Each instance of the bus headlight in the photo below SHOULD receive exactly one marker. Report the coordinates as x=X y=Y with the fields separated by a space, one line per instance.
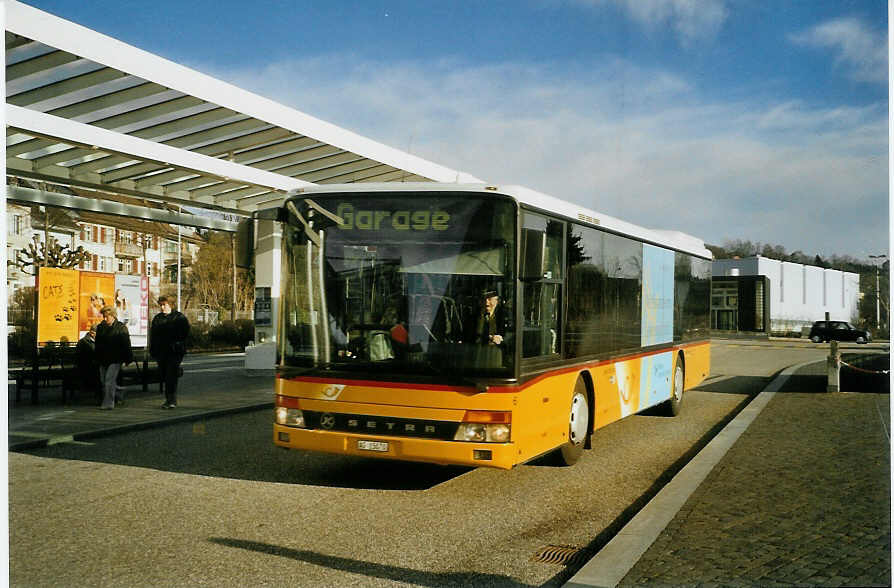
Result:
x=485 y=426
x=498 y=433
x=471 y=432
x=482 y=433
x=291 y=417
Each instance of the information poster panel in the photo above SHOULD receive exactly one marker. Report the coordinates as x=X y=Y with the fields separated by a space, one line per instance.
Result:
x=57 y=305
x=128 y=302
x=144 y=305
x=263 y=307
x=97 y=290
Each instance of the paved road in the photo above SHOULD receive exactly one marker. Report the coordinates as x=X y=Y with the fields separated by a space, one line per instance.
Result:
x=213 y=502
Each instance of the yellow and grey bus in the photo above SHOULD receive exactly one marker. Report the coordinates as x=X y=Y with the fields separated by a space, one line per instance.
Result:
x=477 y=325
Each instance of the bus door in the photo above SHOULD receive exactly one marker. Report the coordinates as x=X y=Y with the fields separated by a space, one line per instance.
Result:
x=542 y=275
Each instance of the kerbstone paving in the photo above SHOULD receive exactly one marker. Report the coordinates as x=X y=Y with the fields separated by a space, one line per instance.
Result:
x=803 y=498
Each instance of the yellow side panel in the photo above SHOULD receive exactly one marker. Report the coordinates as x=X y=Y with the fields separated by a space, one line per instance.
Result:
x=540 y=421
x=608 y=400
x=698 y=363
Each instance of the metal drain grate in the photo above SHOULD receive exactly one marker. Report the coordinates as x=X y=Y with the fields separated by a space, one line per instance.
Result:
x=558 y=554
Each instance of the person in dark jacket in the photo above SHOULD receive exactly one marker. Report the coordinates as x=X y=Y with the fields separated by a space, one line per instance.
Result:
x=112 y=351
x=88 y=368
x=167 y=344
x=490 y=325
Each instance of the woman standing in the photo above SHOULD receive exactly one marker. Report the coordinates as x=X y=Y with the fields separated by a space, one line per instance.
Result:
x=112 y=350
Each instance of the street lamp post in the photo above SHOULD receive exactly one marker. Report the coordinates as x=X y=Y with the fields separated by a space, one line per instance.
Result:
x=179 y=260
x=878 y=315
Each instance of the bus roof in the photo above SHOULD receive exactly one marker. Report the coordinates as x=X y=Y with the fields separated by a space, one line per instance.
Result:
x=532 y=199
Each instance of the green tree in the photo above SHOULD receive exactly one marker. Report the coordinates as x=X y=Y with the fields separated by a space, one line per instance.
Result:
x=873 y=299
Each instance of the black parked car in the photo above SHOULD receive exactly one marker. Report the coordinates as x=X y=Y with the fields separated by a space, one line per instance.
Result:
x=839 y=331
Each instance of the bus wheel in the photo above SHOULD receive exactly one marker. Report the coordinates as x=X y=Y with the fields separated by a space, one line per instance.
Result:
x=672 y=406
x=578 y=427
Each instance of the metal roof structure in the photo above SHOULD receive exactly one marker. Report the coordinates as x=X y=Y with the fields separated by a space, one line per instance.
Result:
x=88 y=111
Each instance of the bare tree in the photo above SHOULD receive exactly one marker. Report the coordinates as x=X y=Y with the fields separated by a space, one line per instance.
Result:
x=211 y=278
x=39 y=255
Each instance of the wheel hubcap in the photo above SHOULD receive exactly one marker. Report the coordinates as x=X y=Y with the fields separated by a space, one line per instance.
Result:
x=678 y=384
x=577 y=429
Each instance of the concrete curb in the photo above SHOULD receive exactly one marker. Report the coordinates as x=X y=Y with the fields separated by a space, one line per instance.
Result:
x=114 y=430
x=614 y=561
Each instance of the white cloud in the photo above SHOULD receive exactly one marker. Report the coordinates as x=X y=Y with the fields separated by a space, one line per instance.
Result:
x=632 y=143
x=691 y=20
x=857 y=47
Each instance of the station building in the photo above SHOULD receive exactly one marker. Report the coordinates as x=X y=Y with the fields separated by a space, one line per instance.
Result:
x=763 y=295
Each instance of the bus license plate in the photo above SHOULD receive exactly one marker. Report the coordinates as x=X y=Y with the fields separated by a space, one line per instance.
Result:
x=372 y=445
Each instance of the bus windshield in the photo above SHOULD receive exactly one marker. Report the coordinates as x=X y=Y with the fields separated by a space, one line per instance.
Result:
x=404 y=284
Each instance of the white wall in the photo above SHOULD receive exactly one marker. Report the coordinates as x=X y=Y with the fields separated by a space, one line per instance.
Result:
x=799 y=294
x=268 y=253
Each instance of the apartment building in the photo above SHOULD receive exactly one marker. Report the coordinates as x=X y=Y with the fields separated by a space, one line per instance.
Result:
x=116 y=245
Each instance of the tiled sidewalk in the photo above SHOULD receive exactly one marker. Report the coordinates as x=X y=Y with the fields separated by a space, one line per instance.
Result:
x=803 y=498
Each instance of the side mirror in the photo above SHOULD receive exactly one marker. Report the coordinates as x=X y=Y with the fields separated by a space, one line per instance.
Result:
x=245 y=234
x=532 y=254
x=245 y=241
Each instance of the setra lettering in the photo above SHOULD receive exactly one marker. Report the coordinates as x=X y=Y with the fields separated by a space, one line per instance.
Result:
x=407 y=428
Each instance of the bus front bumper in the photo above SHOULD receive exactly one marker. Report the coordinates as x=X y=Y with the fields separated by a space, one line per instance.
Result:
x=495 y=455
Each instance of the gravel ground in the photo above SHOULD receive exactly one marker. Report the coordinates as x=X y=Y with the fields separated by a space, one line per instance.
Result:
x=214 y=503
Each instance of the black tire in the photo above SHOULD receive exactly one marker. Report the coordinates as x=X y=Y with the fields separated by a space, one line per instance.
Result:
x=815 y=339
x=578 y=427
x=672 y=407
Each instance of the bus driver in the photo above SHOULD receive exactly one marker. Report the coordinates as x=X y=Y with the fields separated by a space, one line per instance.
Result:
x=490 y=327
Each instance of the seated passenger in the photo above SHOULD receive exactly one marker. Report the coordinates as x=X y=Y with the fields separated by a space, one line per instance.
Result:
x=397 y=329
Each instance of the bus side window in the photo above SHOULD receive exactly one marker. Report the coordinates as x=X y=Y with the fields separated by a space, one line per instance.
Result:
x=542 y=299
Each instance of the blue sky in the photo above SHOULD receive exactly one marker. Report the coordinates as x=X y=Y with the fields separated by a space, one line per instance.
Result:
x=726 y=119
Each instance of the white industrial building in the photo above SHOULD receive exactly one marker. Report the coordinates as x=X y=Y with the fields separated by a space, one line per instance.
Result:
x=790 y=296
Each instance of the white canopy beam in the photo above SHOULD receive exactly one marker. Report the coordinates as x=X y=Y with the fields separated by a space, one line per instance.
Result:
x=80 y=134
x=73 y=39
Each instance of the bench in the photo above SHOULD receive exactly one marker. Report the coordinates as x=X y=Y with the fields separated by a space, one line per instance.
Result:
x=58 y=364
x=141 y=372
x=45 y=365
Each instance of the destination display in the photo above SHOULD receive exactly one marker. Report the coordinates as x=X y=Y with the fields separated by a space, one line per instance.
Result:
x=399 y=220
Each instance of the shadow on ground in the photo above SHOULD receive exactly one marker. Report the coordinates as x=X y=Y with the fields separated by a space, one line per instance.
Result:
x=860 y=373
x=370 y=569
x=240 y=446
